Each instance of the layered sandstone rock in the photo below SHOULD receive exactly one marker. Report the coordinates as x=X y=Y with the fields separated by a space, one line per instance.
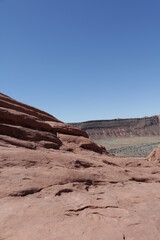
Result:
x=56 y=184
x=25 y=126
x=71 y=143
x=7 y=102
x=60 y=127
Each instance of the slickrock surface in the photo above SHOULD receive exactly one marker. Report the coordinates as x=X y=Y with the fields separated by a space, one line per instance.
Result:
x=56 y=184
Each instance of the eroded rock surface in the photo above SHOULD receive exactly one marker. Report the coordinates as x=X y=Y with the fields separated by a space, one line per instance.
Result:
x=54 y=187
x=25 y=126
x=154 y=155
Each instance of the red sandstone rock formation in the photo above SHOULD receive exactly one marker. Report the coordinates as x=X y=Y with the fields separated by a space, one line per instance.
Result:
x=56 y=184
x=29 y=127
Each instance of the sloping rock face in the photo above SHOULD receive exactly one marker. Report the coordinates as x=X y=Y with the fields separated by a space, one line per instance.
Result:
x=154 y=155
x=148 y=126
x=56 y=185
x=22 y=125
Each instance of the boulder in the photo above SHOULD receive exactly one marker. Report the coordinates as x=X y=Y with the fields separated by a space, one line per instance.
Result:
x=154 y=155
x=74 y=142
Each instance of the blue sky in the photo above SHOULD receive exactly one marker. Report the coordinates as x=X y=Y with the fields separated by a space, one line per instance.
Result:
x=82 y=59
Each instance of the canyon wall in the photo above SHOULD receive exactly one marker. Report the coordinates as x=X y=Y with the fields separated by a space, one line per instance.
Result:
x=147 y=126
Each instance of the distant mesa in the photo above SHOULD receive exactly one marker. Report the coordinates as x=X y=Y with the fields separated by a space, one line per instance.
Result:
x=100 y=129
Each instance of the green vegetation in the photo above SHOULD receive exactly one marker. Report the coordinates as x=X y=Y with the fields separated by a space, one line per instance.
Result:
x=130 y=147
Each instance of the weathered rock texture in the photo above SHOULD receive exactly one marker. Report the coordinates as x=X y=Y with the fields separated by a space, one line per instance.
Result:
x=154 y=155
x=147 y=126
x=58 y=186
x=25 y=126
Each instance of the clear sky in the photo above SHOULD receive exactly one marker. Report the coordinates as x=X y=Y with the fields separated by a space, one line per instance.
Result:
x=82 y=59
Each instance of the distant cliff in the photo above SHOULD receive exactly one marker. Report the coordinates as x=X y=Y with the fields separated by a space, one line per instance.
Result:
x=147 y=126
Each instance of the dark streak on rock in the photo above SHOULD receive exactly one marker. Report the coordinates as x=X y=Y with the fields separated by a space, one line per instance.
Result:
x=91 y=207
x=25 y=192
x=66 y=190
